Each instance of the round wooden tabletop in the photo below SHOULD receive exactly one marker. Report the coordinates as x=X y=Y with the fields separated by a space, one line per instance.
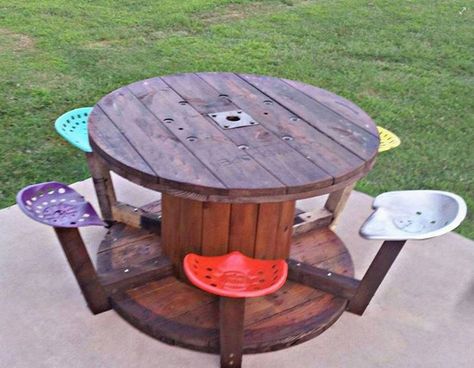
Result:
x=233 y=137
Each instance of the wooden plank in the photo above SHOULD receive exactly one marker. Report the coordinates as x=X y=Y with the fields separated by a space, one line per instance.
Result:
x=374 y=276
x=120 y=235
x=137 y=217
x=341 y=264
x=111 y=145
x=323 y=241
x=243 y=227
x=170 y=234
x=146 y=308
x=170 y=297
x=172 y=162
x=231 y=326
x=125 y=246
x=326 y=153
x=129 y=257
x=215 y=228
x=285 y=230
x=337 y=104
x=83 y=269
x=190 y=228
x=181 y=229
x=310 y=318
x=289 y=296
x=318 y=278
x=267 y=230
x=268 y=149
x=343 y=131
x=153 y=269
x=234 y=167
x=308 y=221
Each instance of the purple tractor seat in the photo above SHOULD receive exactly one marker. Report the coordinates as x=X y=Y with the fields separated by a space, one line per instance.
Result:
x=57 y=205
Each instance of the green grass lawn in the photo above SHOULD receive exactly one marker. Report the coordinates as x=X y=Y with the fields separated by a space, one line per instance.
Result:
x=409 y=64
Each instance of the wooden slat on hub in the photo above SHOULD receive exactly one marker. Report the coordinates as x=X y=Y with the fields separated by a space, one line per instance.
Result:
x=243 y=228
x=215 y=228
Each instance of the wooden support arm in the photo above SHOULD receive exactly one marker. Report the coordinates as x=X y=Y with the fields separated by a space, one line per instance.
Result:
x=374 y=276
x=321 y=279
x=359 y=293
x=83 y=269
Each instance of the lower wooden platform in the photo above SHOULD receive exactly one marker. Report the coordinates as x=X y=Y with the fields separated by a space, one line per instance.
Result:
x=144 y=291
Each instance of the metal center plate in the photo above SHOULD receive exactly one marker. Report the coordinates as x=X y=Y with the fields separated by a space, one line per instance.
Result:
x=232 y=119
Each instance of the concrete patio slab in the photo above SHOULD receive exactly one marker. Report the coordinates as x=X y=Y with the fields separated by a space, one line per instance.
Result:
x=423 y=315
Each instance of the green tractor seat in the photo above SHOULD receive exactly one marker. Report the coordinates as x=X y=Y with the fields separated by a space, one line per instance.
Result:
x=72 y=126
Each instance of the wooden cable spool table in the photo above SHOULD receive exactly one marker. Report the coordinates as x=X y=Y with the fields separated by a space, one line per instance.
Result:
x=231 y=154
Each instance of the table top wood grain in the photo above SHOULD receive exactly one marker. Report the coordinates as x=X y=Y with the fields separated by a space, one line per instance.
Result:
x=304 y=140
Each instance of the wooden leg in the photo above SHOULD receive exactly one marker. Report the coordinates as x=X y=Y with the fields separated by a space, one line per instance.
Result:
x=103 y=186
x=81 y=265
x=231 y=327
x=336 y=202
x=374 y=276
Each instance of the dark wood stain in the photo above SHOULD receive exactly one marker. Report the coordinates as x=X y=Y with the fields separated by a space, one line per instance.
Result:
x=158 y=133
x=177 y=313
